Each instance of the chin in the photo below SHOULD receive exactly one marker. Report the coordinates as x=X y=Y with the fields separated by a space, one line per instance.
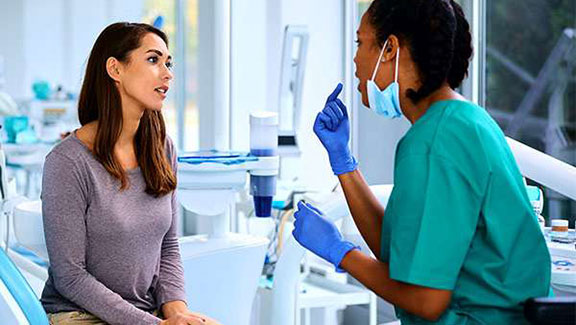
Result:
x=364 y=99
x=365 y=103
x=363 y=95
x=156 y=106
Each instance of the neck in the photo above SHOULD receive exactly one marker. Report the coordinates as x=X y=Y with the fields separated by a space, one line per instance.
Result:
x=131 y=115
x=413 y=112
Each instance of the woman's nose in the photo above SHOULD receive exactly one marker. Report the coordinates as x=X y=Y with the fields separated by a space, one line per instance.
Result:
x=169 y=75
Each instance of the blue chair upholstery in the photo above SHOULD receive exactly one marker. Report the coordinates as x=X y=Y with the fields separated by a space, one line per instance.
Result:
x=21 y=291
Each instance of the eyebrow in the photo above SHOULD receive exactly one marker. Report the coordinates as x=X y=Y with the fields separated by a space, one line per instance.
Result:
x=159 y=53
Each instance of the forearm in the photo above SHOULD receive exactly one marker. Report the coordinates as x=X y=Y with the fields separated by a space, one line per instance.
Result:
x=171 y=277
x=427 y=303
x=365 y=208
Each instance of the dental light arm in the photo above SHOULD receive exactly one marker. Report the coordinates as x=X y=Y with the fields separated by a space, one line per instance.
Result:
x=544 y=169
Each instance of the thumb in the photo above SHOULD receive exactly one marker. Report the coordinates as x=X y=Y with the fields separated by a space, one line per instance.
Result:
x=301 y=206
x=306 y=211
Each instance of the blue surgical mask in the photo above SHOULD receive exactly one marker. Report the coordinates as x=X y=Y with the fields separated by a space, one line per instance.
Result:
x=385 y=102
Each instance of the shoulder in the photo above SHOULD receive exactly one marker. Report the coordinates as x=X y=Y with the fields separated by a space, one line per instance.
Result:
x=69 y=149
x=451 y=123
x=456 y=132
x=67 y=163
x=466 y=114
x=468 y=125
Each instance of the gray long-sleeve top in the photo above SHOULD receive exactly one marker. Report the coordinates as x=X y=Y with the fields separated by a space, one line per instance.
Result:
x=112 y=253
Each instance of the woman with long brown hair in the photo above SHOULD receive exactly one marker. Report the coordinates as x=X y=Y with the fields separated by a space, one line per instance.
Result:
x=108 y=193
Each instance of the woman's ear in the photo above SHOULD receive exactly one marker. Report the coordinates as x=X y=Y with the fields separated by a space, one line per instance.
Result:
x=391 y=48
x=113 y=68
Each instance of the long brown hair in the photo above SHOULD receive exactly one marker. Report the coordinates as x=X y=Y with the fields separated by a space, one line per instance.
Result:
x=100 y=100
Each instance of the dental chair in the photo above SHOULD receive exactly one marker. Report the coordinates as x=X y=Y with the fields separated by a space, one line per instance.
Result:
x=18 y=303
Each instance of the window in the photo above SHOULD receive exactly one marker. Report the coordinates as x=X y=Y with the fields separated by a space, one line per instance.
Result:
x=181 y=109
x=191 y=125
x=362 y=7
x=530 y=78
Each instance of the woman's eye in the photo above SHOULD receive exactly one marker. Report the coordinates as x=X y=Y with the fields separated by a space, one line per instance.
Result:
x=169 y=65
x=357 y=41
x=153 y=59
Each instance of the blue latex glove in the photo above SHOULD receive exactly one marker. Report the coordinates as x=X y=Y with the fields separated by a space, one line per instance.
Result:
x=332 y=127
x=319 y=235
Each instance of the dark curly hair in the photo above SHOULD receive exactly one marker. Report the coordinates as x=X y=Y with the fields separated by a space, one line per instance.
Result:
x=436 y=33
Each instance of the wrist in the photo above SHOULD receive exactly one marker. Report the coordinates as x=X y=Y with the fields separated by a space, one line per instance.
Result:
x=339 y=251
x=349 y=259
x=343 y=163
x=172 y=308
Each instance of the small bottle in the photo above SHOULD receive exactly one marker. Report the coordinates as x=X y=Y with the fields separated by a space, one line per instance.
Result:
x=536 y=197
x=559 y=231
x=542 y=223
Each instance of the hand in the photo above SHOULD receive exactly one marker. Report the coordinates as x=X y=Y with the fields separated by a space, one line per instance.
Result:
x=189 y=318
x=332 y=127
x=319 y=235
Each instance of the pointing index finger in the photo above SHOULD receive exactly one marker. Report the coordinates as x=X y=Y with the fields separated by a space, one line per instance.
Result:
x=335 y=93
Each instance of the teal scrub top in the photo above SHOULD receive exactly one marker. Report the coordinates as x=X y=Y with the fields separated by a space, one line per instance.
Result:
x=459 y=219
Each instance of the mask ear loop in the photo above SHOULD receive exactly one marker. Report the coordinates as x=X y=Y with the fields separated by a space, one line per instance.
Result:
x=396 y=68
x=398 y=111
x=378 y=62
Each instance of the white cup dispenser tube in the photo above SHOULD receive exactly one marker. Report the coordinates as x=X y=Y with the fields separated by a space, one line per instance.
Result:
x=264 y=145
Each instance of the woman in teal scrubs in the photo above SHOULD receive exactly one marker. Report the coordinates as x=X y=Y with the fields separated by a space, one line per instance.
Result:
x=458 y=242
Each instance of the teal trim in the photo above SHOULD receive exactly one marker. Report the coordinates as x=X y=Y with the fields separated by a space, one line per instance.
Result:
x=214 y=156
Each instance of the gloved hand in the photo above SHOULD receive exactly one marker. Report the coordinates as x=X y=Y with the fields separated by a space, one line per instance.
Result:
x=319 y=235
x=332 y=127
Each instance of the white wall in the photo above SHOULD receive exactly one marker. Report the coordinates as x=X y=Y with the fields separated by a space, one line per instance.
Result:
x=324 y=70
x=377 y=140
x=214 y=72
x=86 y=20
x=11 y=37
x=257 y=34
x=248 y=68
x=51 y=40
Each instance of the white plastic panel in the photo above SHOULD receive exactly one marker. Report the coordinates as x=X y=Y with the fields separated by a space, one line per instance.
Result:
x=9 y=310
x=222 y=275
